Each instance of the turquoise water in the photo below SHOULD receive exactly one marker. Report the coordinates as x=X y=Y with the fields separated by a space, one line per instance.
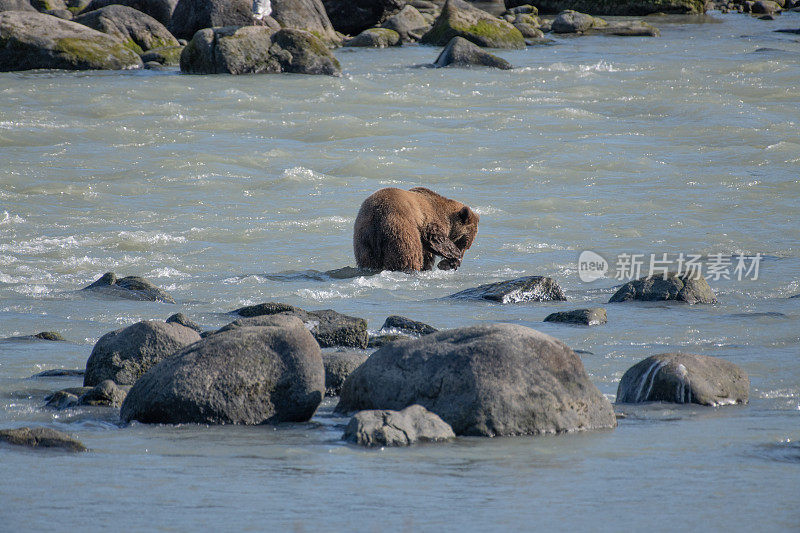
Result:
x=210 y=186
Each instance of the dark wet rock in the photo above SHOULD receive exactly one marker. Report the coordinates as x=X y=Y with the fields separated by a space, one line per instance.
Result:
x=795 y=296
x=683 y=288
x=40 y=437
x=460 y=19
x=129 y=288
x=406 y=325
x=247 y=375
x=33 y=40
x=351 y=17
x=587 y=317
x=328 y=327
x=183 y=320
x=408 y=23
x=527 y=289
x=618 y=7
x=191 y=16
x=339 y=365
x=167 y=56
x=42 y=336
x=16 y=5
x=499 y=379
x=60 y=13
x=382 y=340
x=105 y=393
x=795 y=31
x=138 y=31
x=684 y=378
x=125 y=354
x=257 y=50
x=397 y=428
x=766 y=7
x=308 y=15
x=63 y=399
x=375 y=38
x=460 y=52
x=161 y=10
x=60 y=373
x=766 y=314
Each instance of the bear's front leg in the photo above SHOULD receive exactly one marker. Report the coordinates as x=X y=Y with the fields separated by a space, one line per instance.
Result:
x=449 y=264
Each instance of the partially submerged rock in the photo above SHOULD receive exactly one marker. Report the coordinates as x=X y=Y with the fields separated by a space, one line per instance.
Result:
x=397 y=428
x=460 y=19
x=378 y=341
x=375 y=38
x=257 y=50
x=339 y=365
x=329 y=328
x=460 y=52
x=587 y=317
x=124 y=355
x=60 y=373
x=499 y=379
x=138 y=31
x=248 y=375
x=129 y=288
x=166 y=56
x=36 y=41
x=575 y=22
x=40 y=437
x=183 y=320
x=682 y=288
x=104 y=393
x=406 y=325
x=527 y=289
x=617 y=7
x=684 y=378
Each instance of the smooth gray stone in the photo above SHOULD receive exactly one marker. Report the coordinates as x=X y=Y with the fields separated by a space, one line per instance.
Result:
x=397 y=428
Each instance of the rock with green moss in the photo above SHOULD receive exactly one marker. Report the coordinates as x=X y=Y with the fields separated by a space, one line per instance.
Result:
x=460 y=52
x=167 y=56
x=257 y=50
x=138 y=31
x=375 y=38
x=190 y=16
x=48 y=5
x=617 y=7
x=16 y=5
x=308 y=15
x=528 y=31
x=460 y=19
x=408 y=23
x=30 y=40
x=161 y=10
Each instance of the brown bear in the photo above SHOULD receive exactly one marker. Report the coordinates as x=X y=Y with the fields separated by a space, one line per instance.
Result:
x=404 y=230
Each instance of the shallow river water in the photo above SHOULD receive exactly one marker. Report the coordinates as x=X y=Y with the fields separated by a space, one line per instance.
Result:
x=224 y=190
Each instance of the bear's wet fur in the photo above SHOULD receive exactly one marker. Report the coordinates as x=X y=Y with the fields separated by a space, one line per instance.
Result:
x=405 y=230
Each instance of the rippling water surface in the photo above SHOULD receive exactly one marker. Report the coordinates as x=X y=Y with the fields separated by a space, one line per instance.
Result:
x=210 y=186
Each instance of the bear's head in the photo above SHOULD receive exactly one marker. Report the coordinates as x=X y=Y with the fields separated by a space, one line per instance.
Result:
x=463 y=228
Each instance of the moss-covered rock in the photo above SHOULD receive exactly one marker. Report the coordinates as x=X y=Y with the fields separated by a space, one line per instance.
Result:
x=375 y=38
x=460 y=52
x=168 y=56
x=48 y=5
x=138 y=31
x=31 y=40
x=460 y=19
x=617 y=7
x=161 y=10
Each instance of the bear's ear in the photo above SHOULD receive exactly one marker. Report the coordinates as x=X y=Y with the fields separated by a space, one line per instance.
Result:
x=463 y=215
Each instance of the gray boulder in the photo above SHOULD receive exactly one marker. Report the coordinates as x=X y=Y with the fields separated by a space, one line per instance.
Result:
x=351 y=17
x=308 y=15
x=377 y=341
x=574 y=22
x=161 y=10
x=527 y=289
x=460 y=52
x=617 y=7
x=104 y=393
x=65 y=14
x=128 y=288
x=587 y=317
x=581 y=23
x=499 y=379
x=339 y=365
x=328 y=327
x=48 y=5
x=766 y=7
x=684 y=288
x=397 y=428
x=408 y=23
x=406 y=325
x=635 y=28
x=140 y=32
x=36 y=41
x=191 y=16
x=375 y=38
x=64 y=399
x=249 y=375
x=460 y=19
x=125 y=354
x=16 y=5
x=684 y=378
x=257 y=50
x=167 y=56
x=528 y=31
x=40 y=437
x=183 y=320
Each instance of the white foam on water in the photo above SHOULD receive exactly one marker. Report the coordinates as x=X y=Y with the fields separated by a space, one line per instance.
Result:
x=7 y=219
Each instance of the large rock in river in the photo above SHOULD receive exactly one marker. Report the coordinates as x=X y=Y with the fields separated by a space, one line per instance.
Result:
x=687 y=288
x=257 y=50
x=190 y=16
x=408 y=23
x=250 y=375
x=460 y=52
x=339 y=365
x=161 y=10
x=351 y=17
x=308 y=15
x=460 y=19
x=31 y=40
x=527 y=289
x=499 y=379
x=40 y=437
x=616 y=7
x=684 y=378
x=375 y=38
x=128 y=288
x=139 y=31
x=397 y=428
x=124 y=355
x=16 y=5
